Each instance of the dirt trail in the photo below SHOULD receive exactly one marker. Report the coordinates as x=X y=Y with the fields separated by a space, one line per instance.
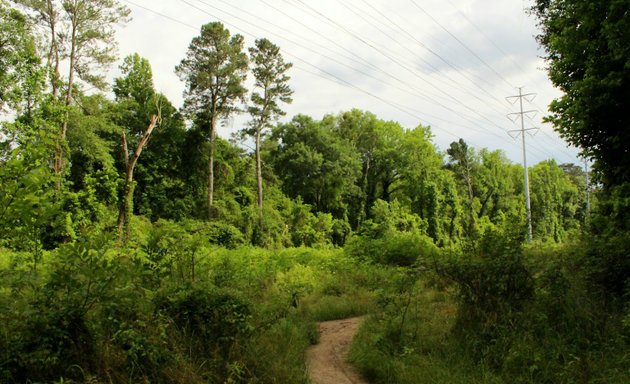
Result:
x=327 y=360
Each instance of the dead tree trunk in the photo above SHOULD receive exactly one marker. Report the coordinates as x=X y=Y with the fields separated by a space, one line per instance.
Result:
x=126 y=202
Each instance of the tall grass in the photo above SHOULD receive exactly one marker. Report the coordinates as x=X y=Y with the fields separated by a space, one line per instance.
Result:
x=533 y=318
x=411 y=342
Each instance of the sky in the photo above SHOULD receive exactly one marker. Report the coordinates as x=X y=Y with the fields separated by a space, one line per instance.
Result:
x=447 y=64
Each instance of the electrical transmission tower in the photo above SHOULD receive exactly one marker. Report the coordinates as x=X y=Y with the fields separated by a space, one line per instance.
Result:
x=515 y=133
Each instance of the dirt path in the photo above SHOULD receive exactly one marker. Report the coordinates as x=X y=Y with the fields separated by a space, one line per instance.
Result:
x=327 y=360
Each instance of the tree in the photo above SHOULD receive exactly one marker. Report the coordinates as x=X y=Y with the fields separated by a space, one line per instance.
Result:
x=360 y=129
x=47 y=15
x=463 y=162
x=499 y=186
x=428 y=187
x=214 y=69
x=135 y=91
x=20 y=77
x=555 y=202
x=82 y=32
x=316 y=164
x=91 y=175
x=379 y=144
x=26 y=204
x=270 y=77
x=587 y=50
x=161 y=190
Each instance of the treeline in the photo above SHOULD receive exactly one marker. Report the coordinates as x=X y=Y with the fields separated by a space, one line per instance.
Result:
x=72 y=161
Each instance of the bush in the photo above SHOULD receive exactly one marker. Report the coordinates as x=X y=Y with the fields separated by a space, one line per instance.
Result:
x=211 y=321
x=53 y=335
x=397 y=248
x=493 y=286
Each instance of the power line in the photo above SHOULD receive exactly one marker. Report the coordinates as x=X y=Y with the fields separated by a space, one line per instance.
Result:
x=161 y=14
x=460 y=71
x=495 y=45
x=332 y=77
x=412 y=92
x=338 y=79
x=462 y=44
x=514 y=62
x=371 y=45
x=354 y=35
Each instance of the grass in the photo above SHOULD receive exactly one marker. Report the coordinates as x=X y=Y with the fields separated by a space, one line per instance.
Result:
x=419 y=349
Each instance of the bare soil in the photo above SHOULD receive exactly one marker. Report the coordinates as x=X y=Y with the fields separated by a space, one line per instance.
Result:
x=327 y=360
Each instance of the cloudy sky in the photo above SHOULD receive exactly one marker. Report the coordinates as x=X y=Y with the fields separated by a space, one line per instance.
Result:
x=448 y=64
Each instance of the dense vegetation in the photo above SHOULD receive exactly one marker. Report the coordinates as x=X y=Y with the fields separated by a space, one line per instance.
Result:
x=138 y=246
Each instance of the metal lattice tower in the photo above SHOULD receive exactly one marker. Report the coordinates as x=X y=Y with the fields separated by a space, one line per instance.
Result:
x=521 y=132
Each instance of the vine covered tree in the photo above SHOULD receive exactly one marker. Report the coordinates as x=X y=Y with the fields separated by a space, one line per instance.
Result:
x=137 y=97
x=315 y=164
x=214 y=70
x=462 y=160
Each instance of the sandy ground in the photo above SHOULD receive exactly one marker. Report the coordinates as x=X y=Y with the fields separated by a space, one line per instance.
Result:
x=327 y=360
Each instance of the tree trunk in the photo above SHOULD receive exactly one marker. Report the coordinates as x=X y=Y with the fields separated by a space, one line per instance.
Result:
x=59 y=155
x=259 y=177
x=213 y=124
x=53 y=53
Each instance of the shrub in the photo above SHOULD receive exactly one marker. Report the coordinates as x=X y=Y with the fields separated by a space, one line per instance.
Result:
x=209 y=320
x=54 y=334
x=397 y=248
x=493 y=286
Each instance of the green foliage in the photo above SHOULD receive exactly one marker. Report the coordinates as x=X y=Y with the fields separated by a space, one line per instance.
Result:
x=410 y=340
x=21 y=76
x=188 y=301
x=54 y=333
x=464 y=161
x=588 y=61
x=429 y=188
x=314 y=164
x=177 y=249
x=137 y=83
x=210 y=321
x=402 y=249
x=162 y=187
x=282 y=348
x=27 y=206
x=517 y=315
x=394 y=236
x=555 y=203
x=493 y=285
x=96 y=312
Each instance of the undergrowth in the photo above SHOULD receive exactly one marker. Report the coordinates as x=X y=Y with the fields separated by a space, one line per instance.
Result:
x=172 y=310
x=494 y=315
